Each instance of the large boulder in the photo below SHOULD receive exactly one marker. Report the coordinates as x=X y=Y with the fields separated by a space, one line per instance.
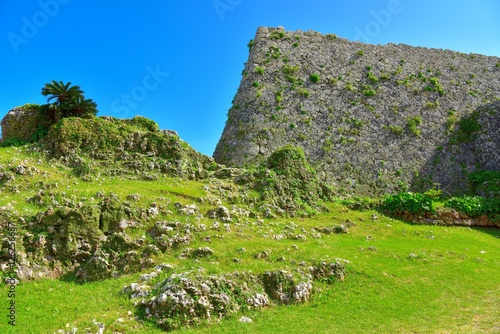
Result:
x=20 y=123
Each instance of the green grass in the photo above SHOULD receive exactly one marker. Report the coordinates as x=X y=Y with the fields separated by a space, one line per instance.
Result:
x=402 y=278
x=424 y=279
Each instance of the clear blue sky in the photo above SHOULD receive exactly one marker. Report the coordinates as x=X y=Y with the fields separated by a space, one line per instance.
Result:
x=180 y=62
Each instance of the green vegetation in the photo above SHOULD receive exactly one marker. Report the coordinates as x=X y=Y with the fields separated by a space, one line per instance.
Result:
x=415 y=203
x=250 y=44
x=467 y=126
x=259 y=70
x=369 y=92
x=277 y=34
x=396 y=129
x=287 y=179
x=431 y=105
x=486 y=182
x=388 y=257
x=69 y=101
x=413 y=124
x=314 y=78
x=360 y=53
x=476 y=206
x=450 y=121
x=303 y=92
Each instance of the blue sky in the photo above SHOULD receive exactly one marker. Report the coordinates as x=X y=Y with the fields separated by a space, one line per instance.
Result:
x=180 y=62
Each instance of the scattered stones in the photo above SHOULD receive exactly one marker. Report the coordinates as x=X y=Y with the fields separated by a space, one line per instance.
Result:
x=262 y=256
x=245 y=319
x=100 y=326
x=187 y=210
x=220 y=213
x=202 y=252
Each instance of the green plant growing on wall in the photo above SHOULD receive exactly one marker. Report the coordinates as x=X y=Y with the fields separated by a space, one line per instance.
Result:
x=396 y=129
x=303 y=92
x=450 y=121
x=413 y=124
x=369 y=92
x=314 y=78
x=360 y=53
x=431 y=105
x=278 y=34
x=372 y=77
x=250 y=44
x=279 y=96
x=467 y=126
x=259 y=70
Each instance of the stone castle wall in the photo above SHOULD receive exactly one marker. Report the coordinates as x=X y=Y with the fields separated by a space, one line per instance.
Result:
x=370 y=118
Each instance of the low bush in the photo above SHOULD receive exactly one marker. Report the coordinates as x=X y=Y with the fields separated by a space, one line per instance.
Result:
x=415 y=203
x=475 y=206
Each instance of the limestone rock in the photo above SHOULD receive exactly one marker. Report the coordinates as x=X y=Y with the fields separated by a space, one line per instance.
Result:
x=20 y=123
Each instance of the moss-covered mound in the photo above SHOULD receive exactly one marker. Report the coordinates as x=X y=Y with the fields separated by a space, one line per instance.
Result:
x=127 y=146
x=287 y=179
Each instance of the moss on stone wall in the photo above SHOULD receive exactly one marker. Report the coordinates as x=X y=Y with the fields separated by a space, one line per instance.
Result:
x=378 y=119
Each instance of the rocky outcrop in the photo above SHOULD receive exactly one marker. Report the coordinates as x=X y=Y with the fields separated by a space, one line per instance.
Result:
x=183 y=300
x=370 y=118
x=20 y=123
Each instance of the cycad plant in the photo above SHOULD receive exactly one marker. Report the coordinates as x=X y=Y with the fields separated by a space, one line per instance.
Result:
x=69 y=101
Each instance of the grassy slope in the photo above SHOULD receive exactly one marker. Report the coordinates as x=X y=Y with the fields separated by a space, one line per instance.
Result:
x=402 y=278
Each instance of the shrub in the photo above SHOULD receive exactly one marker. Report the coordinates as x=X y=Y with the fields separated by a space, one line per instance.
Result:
x=487 y=182
x=396 y=129
x=13 y=142
x=372 y=77
x=304 y=92
x=250 y=44
x=277 y=35
x=413 y=123
x=470 y=125
x=369 y=92
x=314 y=77
x=475 y=206
x=259 y=70
x=415 y=203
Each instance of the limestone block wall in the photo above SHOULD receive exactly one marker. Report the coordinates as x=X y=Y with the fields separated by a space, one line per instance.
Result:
x=370 y=118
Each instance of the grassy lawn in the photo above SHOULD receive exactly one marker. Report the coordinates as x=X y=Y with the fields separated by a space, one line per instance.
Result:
x=401 y=278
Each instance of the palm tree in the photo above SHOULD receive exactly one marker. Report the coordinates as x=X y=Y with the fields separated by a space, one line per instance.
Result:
x=80 y=107
x=69 y=101
x=61 y=92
